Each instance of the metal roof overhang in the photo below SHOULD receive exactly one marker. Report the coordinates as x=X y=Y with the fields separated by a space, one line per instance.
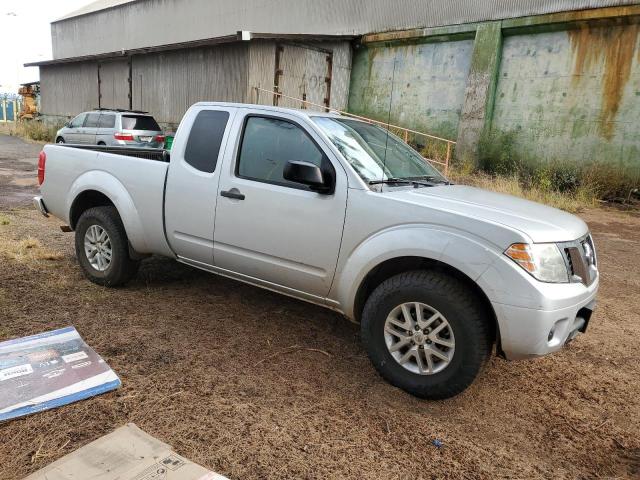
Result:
x=193 y=44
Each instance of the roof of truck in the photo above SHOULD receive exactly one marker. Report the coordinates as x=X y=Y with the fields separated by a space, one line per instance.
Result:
x=295 y=111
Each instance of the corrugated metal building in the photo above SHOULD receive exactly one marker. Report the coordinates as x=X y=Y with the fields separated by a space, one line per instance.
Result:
x=163 y=55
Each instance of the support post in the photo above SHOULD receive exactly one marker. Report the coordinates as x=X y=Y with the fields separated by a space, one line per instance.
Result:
x=479 y=99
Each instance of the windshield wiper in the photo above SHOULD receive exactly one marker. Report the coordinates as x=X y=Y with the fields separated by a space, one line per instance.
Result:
x=391 y=181
x=429 y=178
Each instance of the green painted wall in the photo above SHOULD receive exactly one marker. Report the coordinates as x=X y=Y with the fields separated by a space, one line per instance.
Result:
x=572 y=95
x=428 y=88
x=565 y=90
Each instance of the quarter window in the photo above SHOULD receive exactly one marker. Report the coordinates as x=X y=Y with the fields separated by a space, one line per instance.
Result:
x=205 y=139
x=107 y=121
x=268 y=144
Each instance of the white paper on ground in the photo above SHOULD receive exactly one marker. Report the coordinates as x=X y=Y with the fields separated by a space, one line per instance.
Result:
x=128 y=453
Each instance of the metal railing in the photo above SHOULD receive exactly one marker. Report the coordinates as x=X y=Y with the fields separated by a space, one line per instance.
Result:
x=429 y=146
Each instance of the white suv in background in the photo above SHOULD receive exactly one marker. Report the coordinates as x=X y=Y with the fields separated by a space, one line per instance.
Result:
x=113 y=128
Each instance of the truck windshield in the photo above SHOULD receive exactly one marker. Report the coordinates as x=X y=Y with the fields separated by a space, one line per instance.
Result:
x=376 y=155
x=131 y=122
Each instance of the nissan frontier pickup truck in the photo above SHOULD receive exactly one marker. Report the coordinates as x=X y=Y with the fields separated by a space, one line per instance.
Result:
x=341 y=213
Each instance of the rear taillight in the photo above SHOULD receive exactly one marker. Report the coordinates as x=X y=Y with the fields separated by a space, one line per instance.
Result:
x=123 y=136
x=42 y=159
x=160 y=138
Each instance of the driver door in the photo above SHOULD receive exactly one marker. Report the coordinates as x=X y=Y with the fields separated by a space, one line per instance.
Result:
x=269 y=230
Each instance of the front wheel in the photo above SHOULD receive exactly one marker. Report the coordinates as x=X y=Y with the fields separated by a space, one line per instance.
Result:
x=59 y=140
x=426 y=333
x=102 y=247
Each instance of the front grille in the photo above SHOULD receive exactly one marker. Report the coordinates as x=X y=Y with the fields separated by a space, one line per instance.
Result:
x=581 y=260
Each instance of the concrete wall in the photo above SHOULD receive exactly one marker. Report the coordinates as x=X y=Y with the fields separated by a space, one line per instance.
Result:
x=149 y=23
x=572 y=94
x=562 y=87
x=426 y=91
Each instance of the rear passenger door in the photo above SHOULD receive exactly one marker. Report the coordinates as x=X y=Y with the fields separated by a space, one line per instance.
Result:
x=90 y=129
x=192 y=183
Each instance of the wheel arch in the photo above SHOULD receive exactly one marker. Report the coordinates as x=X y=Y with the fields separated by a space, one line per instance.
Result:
x=84 y=201
x=99 y=188
x=414 y=247
x=397 y=265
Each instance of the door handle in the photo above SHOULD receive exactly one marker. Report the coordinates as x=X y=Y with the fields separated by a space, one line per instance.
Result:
x=233 y=193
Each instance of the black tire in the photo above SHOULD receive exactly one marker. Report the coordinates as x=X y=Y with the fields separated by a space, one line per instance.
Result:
x=121 y=268
x=463 y=311
x=102 y=144
x=59 y=140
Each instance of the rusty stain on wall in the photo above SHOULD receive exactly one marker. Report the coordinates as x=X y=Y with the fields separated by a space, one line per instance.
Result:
x=613 y=48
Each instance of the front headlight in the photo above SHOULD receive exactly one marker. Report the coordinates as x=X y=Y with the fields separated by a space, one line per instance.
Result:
x=542 y=260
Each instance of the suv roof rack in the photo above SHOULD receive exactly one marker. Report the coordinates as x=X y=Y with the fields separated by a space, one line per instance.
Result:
x=120 y=110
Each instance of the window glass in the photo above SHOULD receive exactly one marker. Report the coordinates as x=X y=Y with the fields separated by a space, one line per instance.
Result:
x=139 y=122
x=268 y=144
x=205 y=138
x=107 y=120
x=375 y=153
x=92 y=120
x=78 y=121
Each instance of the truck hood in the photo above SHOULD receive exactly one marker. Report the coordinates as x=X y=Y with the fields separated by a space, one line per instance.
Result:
x=539 y=222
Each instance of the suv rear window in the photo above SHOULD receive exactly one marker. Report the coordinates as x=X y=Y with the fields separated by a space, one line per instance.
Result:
x=138 y=122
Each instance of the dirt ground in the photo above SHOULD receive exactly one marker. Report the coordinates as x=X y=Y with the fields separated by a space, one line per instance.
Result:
x=224 y=373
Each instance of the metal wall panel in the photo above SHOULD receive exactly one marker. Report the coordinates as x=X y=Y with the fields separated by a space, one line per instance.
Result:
x=114 y=84
x=262 y=72
x=304 y=71
x=341 y=74
x=69 y=89
x=262 y=66
x=160 y=22
x=167 y=84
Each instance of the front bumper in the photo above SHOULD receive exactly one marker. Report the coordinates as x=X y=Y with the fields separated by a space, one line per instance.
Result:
x=529 y=332
x=39 y=204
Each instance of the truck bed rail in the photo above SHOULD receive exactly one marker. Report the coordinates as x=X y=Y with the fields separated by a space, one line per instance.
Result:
x=157 y=154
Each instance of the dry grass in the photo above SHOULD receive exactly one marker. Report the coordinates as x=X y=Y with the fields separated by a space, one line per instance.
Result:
x=569 y=201
x=35 y=130
x=4 y=220
x=29 y=251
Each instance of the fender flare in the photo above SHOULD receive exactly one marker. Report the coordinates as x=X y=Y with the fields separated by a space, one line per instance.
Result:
x=114 y=190
x=466 y=253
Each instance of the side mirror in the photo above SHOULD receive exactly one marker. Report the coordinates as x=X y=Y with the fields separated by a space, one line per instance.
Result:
x=67 y=125
x=307 y=174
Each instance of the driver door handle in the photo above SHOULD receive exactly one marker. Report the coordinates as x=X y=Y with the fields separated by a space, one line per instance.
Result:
x=233 y=193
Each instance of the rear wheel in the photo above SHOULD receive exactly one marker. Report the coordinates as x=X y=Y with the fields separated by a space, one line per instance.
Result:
x=102 y=144
x=102 y=247
x=426 y=333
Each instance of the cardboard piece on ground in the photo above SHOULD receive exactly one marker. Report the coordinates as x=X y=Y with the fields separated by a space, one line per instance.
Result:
x=48 y=370
x=128 y=453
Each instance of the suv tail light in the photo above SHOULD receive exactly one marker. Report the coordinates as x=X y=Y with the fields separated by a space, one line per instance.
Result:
x=160 y=138
x=123 y=136
x=42 y=159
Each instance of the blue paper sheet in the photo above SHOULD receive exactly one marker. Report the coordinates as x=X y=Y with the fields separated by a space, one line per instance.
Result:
x=48 y=370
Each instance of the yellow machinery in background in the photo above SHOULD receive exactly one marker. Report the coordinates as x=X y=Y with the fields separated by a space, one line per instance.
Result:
x=29 y=93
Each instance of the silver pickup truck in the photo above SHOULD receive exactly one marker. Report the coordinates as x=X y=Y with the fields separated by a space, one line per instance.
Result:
x=337 y=212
